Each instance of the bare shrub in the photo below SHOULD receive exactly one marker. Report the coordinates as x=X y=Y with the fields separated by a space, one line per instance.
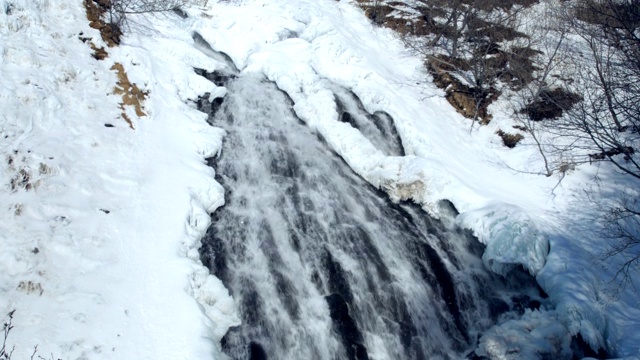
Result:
x=551 y=104
x=111 y=16
x=5 y=353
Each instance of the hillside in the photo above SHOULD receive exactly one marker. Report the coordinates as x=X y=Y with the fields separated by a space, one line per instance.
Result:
x=107 y=192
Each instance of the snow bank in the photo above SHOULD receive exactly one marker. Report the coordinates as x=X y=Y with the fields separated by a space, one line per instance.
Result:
x=537 y=334
x=100 y=224
x=511 y=236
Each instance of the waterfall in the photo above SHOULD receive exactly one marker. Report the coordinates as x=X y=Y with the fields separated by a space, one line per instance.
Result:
x=321 y=264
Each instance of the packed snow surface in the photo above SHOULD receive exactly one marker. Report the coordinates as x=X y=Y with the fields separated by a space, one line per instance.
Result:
x=100 y=223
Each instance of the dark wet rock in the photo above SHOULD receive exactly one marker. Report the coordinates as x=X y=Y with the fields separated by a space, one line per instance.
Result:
x=217 y=55
x=443 y=281
x=180 y=12
x=220 y=78
x=581 y=349
x=497 y=307
x=208 y=105
x=337 y=278
x=446 y=207
x=378 y=127
x=344 y=325
x=256 y=351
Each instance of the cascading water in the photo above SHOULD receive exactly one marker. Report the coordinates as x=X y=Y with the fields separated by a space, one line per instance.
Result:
x=320 y=264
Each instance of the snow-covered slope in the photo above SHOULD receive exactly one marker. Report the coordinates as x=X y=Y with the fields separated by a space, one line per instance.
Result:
x=100 y=225
x=116 y=214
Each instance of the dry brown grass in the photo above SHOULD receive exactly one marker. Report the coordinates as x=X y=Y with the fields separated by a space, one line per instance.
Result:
x=131 y=94
x=463 y=98
x=510 y=140
x=98 y=53
x=110 y=33
x=95 y=12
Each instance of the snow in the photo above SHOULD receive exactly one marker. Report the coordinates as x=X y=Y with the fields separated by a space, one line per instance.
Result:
x=511 y=236
x=99 y=235
x=537 y=333
x=129 y=283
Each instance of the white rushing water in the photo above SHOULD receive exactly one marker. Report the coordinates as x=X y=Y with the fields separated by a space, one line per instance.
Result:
x=322 y=265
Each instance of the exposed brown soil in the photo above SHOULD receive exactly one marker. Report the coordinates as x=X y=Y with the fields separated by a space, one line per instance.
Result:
x=518 y=66
x=98 y=53
x=521 y=128
x=467 y=101
x=551 y=104
x=510 y=140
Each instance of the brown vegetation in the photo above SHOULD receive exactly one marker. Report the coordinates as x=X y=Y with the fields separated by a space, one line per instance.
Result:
x=96 y=10
x=469 y=102
x=510 y=140
x=550 y=104
x=98 y=53
x=131 y=94
x=110 y=33
x=462 y=46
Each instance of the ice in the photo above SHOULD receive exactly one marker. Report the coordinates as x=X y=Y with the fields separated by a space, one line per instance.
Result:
x=538 y=334
x=511 y=236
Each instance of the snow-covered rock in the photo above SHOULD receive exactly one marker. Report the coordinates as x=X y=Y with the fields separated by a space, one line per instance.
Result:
x=511 y=236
